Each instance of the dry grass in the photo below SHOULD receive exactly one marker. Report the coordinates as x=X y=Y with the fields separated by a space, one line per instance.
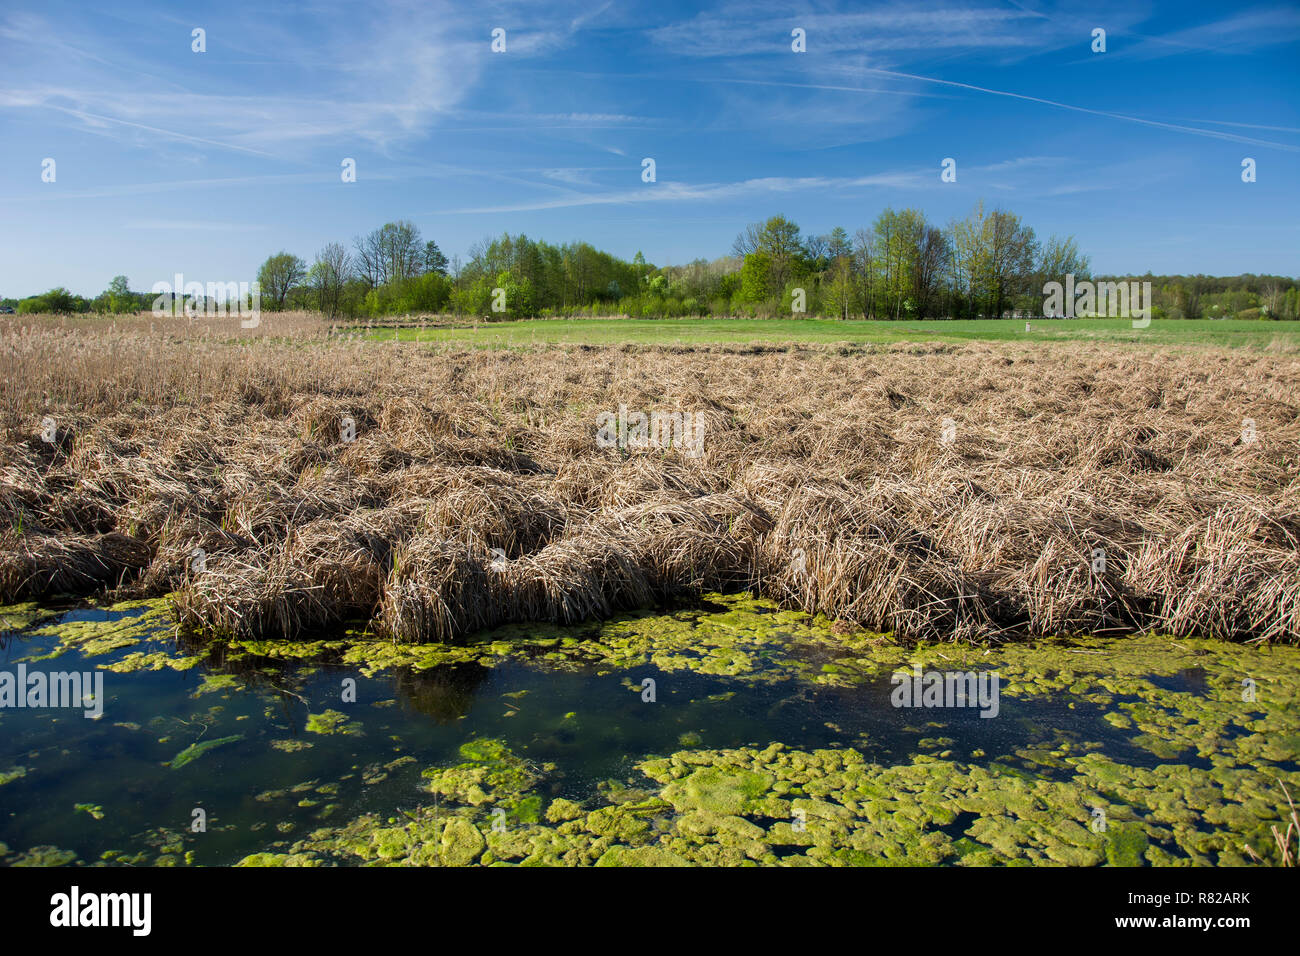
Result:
x=1287 y=855
x=824 y=482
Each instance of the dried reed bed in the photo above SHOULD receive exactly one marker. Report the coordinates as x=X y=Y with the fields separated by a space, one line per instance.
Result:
x=1075 y=489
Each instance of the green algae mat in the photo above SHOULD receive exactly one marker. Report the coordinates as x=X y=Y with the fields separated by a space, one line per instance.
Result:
x=728 y=732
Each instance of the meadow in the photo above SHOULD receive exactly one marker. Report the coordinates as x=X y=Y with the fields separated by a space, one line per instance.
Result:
x=1229 y=333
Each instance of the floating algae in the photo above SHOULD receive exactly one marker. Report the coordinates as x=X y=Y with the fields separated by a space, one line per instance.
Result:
x=125 y=624
x=754 y=640
x=780 y=806
x=333 y=722
x=12 y=774
x=742 y=636
x=20 y=617
x=780 y=747
x=491 y=773
x=43 y=856
x=1038 y=804
x=217 y=683
x=93 y=810
x=155 y=661
x=291 y=746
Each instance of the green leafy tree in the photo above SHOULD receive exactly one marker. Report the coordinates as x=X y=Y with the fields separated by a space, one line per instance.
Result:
x=756 y=281
x=279 y=274
x=837 y=243
x=519 y=295
x=120 y=297
x=434 y=260
x=778 y=239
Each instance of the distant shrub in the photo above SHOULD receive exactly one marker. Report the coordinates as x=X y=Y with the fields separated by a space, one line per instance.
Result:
x=56 y=300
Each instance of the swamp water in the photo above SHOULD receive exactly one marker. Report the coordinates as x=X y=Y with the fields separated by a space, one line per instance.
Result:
x=771 y=739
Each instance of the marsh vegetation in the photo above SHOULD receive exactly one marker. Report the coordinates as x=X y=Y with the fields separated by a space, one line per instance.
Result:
x=935 y=491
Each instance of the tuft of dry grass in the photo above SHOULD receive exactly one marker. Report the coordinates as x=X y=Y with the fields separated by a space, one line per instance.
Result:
x=1288 y=855
x=436 y=491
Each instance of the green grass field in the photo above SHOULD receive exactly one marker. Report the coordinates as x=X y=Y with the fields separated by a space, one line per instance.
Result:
x=513 y=334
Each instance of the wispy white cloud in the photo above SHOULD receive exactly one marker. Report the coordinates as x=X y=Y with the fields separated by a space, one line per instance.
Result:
x=889 y=33
x=406 y=174
x=687 y=192
x=1272 y=129
x=192 y=225
x=177 y=185
x=1044 y=176
x=901 y=31
x=574 y=176
x=377 y=76
x=1159 y=124
x=1243 y=32
x=765 y=186
x=848 y=50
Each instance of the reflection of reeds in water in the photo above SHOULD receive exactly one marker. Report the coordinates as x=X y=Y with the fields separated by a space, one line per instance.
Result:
x=934 y=491
x=445 y=694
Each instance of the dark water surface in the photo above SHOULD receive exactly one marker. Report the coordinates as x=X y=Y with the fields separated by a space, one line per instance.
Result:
x=92 y=787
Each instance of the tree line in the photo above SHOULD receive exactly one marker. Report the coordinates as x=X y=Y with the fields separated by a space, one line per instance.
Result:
x=1246 y=296
x=987 y=264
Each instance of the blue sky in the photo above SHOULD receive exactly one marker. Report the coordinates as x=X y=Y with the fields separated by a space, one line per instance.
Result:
x=204 y=163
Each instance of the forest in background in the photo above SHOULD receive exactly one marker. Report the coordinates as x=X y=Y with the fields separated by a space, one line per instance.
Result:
x=989 y=264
